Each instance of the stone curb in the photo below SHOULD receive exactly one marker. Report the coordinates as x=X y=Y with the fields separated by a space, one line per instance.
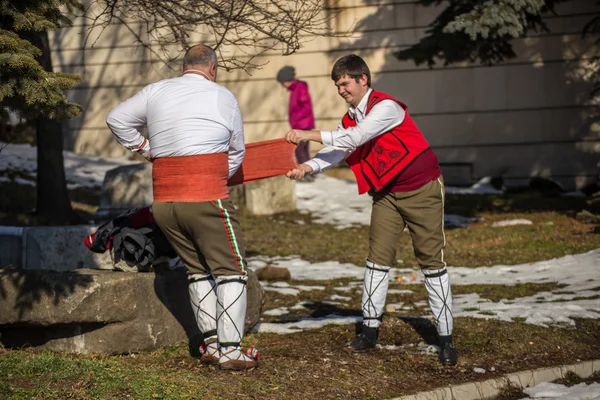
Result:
x=492 y=387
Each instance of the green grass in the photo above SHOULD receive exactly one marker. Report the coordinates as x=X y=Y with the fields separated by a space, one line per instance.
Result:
x=316 y=364
x=555 y=232
x=312 y=364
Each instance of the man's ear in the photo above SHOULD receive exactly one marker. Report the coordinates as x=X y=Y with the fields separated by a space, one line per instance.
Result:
x=212 y=69
x=363 y=80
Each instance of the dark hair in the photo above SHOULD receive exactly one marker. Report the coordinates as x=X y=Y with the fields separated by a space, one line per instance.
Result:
x=199 y=55
x=353 y=66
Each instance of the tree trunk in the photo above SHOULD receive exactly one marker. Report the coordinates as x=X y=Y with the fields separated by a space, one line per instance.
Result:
x=53 y=203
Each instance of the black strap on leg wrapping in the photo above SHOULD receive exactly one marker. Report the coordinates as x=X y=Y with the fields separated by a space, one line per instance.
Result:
x=376 y=269
x=192 y=279
x=229 y=344
x=209 y=334
x=437 y=274
x=231 y=281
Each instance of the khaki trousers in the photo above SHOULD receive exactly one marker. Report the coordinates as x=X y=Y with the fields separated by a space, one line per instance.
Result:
x=206 y=235
x=422 y=210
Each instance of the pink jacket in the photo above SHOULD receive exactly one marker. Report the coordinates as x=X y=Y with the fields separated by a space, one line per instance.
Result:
x=300 y=110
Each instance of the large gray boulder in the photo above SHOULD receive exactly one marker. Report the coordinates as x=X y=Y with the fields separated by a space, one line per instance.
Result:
x=266 y=196
x=94 y=311
x=130 y=186
x=125 y=187
x=57 y=248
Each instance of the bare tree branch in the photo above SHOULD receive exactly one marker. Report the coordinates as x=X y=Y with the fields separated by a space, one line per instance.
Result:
x=249 y=28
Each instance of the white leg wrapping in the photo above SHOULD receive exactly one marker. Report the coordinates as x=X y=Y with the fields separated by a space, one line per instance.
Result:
x=231 y=317
x=374 y=293
x=203 y=296
x=231 y=310
x=439 y=295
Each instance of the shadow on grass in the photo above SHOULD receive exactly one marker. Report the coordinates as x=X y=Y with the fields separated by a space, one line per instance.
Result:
x=423 y=327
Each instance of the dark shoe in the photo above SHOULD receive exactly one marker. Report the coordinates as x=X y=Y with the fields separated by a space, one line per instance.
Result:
x=448 y=354
x=366 y=340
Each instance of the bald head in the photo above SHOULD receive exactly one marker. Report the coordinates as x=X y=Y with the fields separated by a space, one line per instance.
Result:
x=199 y=55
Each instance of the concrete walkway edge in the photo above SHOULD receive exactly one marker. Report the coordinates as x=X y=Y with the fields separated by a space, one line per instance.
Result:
x=492 y=387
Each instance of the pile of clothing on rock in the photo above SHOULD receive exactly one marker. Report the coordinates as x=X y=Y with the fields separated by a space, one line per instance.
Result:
x=134 y=241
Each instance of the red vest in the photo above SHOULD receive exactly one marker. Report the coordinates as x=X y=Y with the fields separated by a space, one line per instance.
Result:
x=383 y=158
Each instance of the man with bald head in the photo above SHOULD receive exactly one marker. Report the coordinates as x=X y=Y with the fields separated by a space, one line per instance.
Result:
x=196 y=142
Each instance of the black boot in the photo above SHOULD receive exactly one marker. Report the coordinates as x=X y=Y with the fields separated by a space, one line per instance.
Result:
x=366 y=340
x=447 y=354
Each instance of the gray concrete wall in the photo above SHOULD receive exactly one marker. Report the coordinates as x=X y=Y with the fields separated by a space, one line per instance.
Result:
x=528 y=117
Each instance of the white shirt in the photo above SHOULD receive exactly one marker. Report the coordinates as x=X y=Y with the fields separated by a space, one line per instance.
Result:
x=384 y=116
x=186 y=116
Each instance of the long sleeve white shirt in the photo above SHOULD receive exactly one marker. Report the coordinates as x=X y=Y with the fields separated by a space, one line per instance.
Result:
x=340 y=143
x=186 y=116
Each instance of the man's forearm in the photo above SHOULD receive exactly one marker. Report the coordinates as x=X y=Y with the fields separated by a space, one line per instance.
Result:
x=314 y=135
x=298 y=136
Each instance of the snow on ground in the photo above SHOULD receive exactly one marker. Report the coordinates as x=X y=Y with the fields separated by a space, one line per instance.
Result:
x=81 y=170
x=482 y=187
x=336 y=202
x=548 y=390
x=304 y=324
x=580 y=273
x=512 y=222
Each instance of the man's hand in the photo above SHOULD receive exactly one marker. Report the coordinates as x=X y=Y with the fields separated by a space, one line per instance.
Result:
x=146 y=154
x=297 y=136
x=298 y=173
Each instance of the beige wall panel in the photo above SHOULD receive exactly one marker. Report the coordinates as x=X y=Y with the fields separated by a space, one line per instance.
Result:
x=257 y=131
x=453 y=90
x=532 y=99
x=116 y=56
x=570 y=7
x=542 y=48
x=130 y=60
x=565 y=163
x=573 y=123
x=320 y=64
x=114 y=36
x=490 y=88
x=576 y=7
x=390 y=16
x=509 y=126
x=118 y=53
x=97 y=142
x=567 y=24
x=138 y=75
x=259 y=101
x=425 y=92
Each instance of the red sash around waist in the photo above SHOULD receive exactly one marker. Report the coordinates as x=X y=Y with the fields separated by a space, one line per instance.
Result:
x=204 y=177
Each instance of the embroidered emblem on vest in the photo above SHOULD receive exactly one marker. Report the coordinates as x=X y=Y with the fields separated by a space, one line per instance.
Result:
x=394 y=154
x=385 y=160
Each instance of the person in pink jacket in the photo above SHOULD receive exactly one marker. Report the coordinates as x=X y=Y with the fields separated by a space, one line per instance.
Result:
x=300 y=111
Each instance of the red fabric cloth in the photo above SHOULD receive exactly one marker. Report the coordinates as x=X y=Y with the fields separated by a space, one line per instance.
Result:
x=300 y=110
x=265 y=159
x=204 y=177
x=190 y=178
x=385 y=158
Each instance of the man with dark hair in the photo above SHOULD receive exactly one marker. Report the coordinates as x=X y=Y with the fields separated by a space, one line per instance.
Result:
x=196 y=142
x=393 y=162
x=300 y=112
